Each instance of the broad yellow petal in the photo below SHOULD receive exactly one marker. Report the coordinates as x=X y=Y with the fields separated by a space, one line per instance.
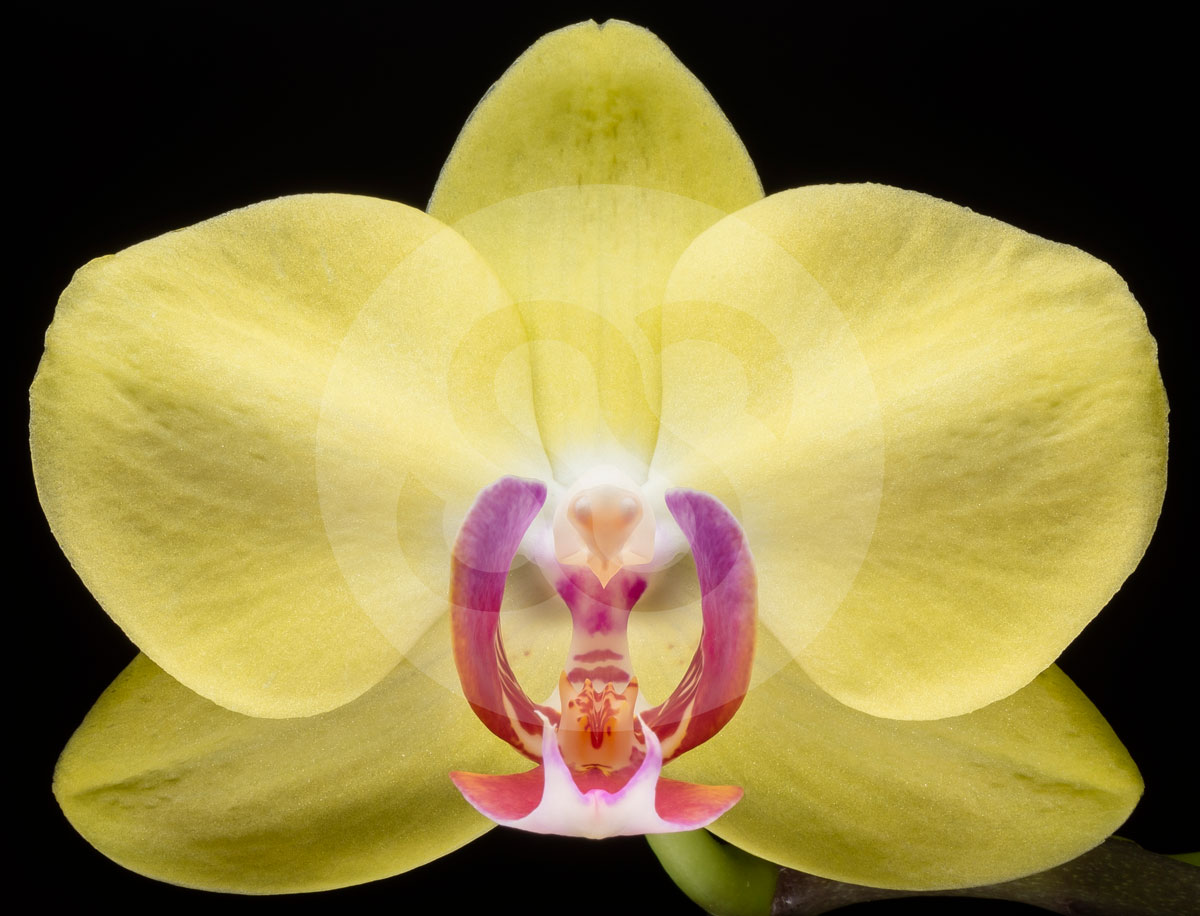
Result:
x=596 y=104
x=1021 y=785
x=173 y=786
x=1024 y=445
x=191 y=399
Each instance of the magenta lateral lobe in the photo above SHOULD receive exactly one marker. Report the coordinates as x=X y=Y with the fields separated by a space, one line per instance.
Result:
x=717 y=679
x=483 y=553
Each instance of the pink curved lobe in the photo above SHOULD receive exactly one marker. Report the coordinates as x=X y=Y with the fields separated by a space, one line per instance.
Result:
x=692 y=805
x=483 y=553
x=503 y=799
x=717 y=679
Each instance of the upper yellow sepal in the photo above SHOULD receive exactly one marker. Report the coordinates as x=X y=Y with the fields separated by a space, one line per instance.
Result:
x=596 y=104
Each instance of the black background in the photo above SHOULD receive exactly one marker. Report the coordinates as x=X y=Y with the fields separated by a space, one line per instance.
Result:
x=123 y=126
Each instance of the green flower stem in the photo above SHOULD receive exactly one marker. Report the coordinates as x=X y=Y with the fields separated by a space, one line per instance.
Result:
x=721 y=879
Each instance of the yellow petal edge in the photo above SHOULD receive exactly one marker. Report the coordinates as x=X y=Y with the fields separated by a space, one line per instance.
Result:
x=1014 y=788
x=177 y=788
x=596 y=104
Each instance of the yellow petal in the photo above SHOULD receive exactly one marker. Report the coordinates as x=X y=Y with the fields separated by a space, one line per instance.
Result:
x=1016 y=787
x=583 y=263
x=427 y=402
x=768 y=404
x=175 y=787
x=596 y=104
x=175 y=429
x=1024 y=426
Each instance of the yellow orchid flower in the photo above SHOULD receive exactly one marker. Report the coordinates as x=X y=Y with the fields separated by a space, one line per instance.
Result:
x=257 y=439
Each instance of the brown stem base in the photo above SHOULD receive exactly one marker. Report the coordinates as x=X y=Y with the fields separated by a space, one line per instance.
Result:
x=1117 y=878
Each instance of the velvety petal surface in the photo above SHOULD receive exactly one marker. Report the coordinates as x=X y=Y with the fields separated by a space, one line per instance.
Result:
x=596 y=104
x=1024 y=445
x=170 y=785
x=581 y=177
x=768 y=404
x=188 y=384
x=1016 y=787
x=583 y=264
x=427 y=402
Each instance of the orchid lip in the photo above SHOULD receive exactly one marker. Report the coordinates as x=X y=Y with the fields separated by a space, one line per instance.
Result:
x=599 y=744
x=643 y=802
